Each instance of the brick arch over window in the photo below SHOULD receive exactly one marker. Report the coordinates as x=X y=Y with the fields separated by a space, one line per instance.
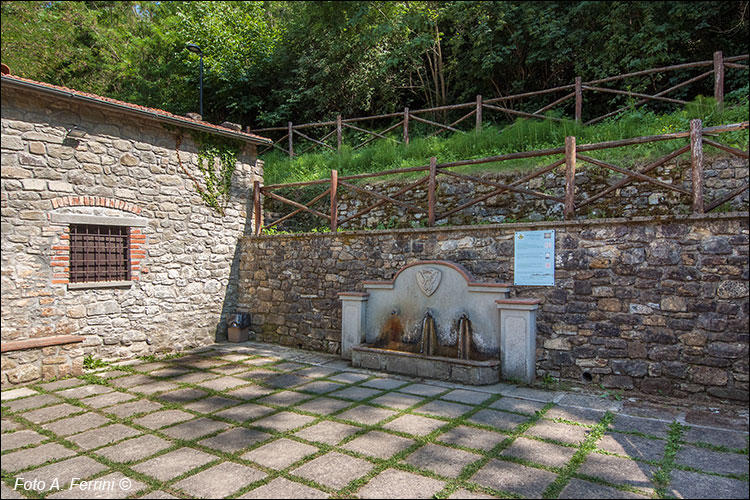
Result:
x=96 y=201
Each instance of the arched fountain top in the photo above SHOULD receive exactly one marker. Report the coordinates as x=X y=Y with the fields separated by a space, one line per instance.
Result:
x=470 y=282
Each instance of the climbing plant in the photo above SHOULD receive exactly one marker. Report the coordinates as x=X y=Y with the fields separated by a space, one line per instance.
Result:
x=217 y=160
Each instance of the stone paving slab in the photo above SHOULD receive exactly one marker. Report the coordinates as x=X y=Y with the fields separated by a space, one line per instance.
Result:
x=320 y=387
x=557 y=431
x=282 y=488
x=535 y=394
x=378 y=444
x=50 y=413
x=235 y=370
x=158 y=495
x=103 y=435
x=133 y=408
x=245 y=412
x=223 y=383
x=397 y=400
x=194 y=429
x=355 y=393
x=20 y=439
x=280 y=454
x=334 y=470
x=284 y=398
x=173 y=464
x=121 y=486
x=588 y=401
x=349 y=377
x=183 y=395
x=219 y=481
x=686 y=484
x=423 y=390
x=150 y=367
x=711 y=461
x=470 y=437
x=194 y=377
x=211 y=404
x=110 y=399
x=77 y=467
x=466 y=494
x=134 y=449
x=111 y=374
x=517 y=405
x=540 y=452
x=441 y=460
x=617 y=470
x=578 y=488
x=327 y=432
x=154 y=387
x=498 y=419
x=625 y=423
x=132 y=381
x=29 y=457
x=160 y=419
x=585 y=416
x=171 y=371
x=249 y=392
x=21 y=392
x=284 y=421
x=367 y=415
x=235 y=439
x=7 y=425
x=385 y=384
x=286 y=381
x=717 y=437
x=414 y=424
x=8 y=492
x=31 y=402
x=444 y=409
x=74 y=425
x=392 y=483
x=62 y=384
x=466 y=397
x=514 y=478
x=323 y=405
x=632 y=446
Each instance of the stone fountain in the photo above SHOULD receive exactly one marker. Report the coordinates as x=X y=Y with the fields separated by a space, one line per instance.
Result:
x=433 y=320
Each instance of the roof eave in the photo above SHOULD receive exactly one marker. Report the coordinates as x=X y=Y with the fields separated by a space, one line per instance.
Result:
x=169 y=119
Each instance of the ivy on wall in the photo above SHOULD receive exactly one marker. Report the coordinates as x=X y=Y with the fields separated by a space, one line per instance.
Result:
x=217 y=160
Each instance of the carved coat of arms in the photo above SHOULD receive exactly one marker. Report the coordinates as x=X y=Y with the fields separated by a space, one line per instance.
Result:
x=428 y=280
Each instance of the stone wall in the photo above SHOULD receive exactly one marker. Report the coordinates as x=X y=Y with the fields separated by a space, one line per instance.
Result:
x=62 y=160
x=653 y=305
x=722 y=174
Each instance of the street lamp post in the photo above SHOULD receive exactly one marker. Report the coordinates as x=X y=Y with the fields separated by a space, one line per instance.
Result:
x=194 y=48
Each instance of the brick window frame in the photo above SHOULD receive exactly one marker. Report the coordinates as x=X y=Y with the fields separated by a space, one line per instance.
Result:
x=62 y=219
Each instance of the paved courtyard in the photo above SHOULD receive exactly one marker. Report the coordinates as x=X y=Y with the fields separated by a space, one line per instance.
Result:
x=261 y=421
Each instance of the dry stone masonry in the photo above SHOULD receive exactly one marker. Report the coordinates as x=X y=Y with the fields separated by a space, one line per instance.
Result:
x=64 y=161
x=654 y=305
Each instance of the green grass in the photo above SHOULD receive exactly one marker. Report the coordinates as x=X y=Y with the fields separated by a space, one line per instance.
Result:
x=523 y=135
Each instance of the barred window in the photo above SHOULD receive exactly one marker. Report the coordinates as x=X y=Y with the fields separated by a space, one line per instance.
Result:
x=99 y=253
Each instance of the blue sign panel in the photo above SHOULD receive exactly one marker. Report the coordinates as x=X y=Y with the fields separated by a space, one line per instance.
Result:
x=534 y=258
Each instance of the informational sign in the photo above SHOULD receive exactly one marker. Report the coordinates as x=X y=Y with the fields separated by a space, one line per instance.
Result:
x=534 y=258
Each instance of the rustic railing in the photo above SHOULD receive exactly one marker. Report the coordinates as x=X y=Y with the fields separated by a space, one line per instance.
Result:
x=570 y=154
x=718 y=65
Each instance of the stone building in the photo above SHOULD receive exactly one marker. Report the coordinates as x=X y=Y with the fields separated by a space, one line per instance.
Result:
x=113 y=245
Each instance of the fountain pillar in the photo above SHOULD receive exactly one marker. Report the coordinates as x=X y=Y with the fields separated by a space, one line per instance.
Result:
x=353 y=310
x=518 y=338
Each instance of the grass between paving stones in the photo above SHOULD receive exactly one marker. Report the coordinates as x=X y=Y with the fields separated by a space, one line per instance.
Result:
x=662 y=477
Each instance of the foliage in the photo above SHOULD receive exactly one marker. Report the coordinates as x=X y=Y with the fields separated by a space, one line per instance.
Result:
x=91 y=363
x=267 y=63
x=217 y=160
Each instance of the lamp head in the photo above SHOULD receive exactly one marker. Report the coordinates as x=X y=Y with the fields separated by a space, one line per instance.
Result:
x=194 y=48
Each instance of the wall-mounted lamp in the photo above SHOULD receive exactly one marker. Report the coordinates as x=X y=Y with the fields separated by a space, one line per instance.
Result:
x=197 y=50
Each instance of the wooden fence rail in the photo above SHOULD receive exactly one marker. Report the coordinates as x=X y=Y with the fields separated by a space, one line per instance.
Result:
x=718 y=66
x=571 y=153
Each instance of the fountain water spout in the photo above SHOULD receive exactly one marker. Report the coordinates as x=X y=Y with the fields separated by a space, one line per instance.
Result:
x=464 y=337
x=429 y=335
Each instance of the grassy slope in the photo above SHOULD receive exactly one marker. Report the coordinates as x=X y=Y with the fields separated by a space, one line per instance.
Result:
x=524 y=135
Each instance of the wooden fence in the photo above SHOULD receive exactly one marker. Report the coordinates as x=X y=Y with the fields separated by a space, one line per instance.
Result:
x=570 y=154
x=718 y=66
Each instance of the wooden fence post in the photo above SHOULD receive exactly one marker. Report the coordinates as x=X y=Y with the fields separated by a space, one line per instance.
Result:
x=406 y=125
x=334 y=201
x=696 y=159
x=256 y=206
x=570 y=177
x=479 y=113
x=291 y=140
x=579 y=99
x=431 y=192
x=338 y=133
x=719 y=77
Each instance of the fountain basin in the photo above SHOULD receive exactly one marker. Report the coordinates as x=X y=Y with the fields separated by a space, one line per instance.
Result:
x=465 y=371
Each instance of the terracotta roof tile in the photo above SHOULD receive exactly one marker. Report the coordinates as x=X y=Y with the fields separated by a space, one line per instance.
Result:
x=136 y=107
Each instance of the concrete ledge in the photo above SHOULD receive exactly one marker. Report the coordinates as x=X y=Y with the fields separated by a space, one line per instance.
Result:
x=99 y=284
x=18 y=345
x=406 y=363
